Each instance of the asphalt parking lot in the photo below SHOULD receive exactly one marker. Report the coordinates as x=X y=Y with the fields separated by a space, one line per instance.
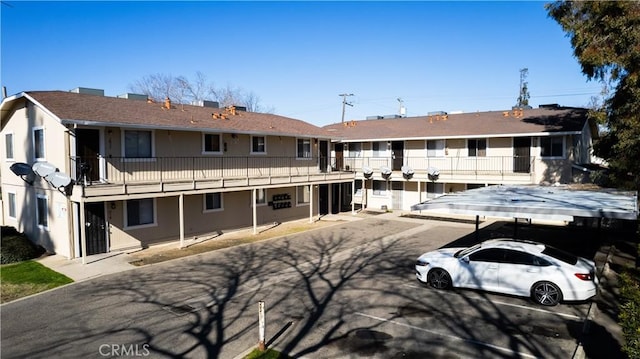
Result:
x=343 y=291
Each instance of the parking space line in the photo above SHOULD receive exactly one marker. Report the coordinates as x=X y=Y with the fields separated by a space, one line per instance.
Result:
x=570 y=316
x=453 y=337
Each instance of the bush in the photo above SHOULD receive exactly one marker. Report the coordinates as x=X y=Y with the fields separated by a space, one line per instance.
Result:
x=16 y=247
x=630 y=311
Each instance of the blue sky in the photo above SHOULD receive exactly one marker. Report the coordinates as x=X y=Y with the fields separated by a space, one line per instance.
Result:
x=299 y=56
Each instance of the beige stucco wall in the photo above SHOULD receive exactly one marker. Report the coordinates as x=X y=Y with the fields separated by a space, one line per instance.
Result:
x=56 y=237
x=236 y=213
x=502 y=146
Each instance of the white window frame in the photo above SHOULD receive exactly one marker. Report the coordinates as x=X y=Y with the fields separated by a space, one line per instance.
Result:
x=438 y=151
x=355 y=149
x=265 y=145
x=9 y=147
x=437 y=189
x=138 y=159
x=551 y=138
x=304 y=155
x=40 y=197
x=204 y=202
x=42 y=145
x=204 y=141
x=300 y=200
x=486 y=147
x=380 y=153
x=145 y=225
x=12 y=202
x=264 y=200
x=379 y=192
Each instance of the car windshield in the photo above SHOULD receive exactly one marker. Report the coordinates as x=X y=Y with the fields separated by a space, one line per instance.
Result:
x=560 y=255
x=464 y=252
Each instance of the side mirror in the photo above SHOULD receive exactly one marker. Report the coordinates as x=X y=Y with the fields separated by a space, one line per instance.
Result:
x=465 y=259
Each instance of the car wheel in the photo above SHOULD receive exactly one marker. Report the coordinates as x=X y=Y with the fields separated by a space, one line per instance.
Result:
x=439 y=278
x=546 y=293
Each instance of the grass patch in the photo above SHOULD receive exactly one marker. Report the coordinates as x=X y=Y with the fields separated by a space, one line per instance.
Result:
x=267 y=354
x=21 y=279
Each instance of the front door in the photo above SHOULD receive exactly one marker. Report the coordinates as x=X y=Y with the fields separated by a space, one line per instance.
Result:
x=397 y=154
x=324 y=155
x=521 y=154
x=87 y=151
x=339 y=156
x=397 y=189
x=95 y=226
x=323 y=195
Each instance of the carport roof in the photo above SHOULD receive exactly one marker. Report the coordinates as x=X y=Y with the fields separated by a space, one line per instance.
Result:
x=537 y=202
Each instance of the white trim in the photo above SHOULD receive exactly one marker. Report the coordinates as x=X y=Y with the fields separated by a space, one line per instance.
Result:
x=266 y=197
x=265 y=145
x=46 y=198
x=43 y=144
x=13 y=147
x=15 y=204
x=458 y=137
x=204 y=203
x=137 y=159
x=146 y=225
x=204 y=151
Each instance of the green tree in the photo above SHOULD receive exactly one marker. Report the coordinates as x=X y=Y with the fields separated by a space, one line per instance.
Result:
x=605 y=36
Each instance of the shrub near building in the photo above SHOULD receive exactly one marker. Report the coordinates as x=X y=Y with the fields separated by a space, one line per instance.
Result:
x=16 y=247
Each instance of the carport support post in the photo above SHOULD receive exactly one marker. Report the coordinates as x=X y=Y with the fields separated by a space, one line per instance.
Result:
x=181 y=214
x=353 y=196
x=261 y=345
x=253 y=208
x=83 y=233
x=310 y=203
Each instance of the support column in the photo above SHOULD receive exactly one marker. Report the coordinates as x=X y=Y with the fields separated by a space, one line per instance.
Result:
x=83 y=233
x=255 y=212
x=310 y=203
x=419 y=195
x=181 y=215
x=353 y=197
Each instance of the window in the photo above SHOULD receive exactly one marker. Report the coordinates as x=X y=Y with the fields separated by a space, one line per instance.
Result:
x=42 y=213
x=304 y=148
x=140 y=212
x=303 y=195
x=435 y=148
x=212 y=201
x=258 y=144
x=358 y=188
x=355 y=149
x=211 y=143
x=517 y=257
x=38 y=143
x=379 y=149
x=552 y=146
x=493 y=255
x=261 y=196
x=477 y=148
x=8 y=141
x=138 y=144
x=12 y=204
x=435 y=189
x=379 y=188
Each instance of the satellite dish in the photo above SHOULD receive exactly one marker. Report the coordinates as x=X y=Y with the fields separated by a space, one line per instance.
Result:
x=43 y=169
x=58 y=179
x=407 y=172
x=367 y=171
x=385 y=171
x=433 y=173
x=25 y=172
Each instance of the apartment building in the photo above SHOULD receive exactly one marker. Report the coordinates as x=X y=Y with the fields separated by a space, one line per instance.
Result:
x=84 y=173
x=401 y=161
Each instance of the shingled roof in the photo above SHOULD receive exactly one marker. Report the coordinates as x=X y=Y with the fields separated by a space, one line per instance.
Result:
x=86 y=109
x=480 y=124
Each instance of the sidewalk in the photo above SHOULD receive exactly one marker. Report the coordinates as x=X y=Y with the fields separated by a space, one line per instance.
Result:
x=96 y=265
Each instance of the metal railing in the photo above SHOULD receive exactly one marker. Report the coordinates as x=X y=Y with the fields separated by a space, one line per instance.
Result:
x=125 y=170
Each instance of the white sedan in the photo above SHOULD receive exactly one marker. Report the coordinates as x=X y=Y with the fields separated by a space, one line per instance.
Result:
x=522 y=268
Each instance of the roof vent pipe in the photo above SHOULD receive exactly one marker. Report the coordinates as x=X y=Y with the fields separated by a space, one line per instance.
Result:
x=167 y=103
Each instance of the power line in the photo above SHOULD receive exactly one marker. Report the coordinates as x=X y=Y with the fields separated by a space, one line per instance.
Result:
x=344 y=102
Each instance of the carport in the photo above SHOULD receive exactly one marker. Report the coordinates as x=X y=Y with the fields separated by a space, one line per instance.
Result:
x=548 y=203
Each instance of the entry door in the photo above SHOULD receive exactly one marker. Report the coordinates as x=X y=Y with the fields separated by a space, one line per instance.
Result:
x=323 y=195
x=339 y=156
x=95 y=228
x=87 y=150
x=397 y=154
x=324 y=156
x=521 y=154
x=397 y=189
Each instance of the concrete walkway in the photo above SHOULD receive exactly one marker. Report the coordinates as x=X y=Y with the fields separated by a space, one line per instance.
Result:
x=96 y=266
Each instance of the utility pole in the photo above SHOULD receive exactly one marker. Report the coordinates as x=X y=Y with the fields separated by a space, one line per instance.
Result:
x=344 y=102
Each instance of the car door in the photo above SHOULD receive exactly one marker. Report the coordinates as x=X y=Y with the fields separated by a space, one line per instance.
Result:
x=480 y=269
x=520 y=271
